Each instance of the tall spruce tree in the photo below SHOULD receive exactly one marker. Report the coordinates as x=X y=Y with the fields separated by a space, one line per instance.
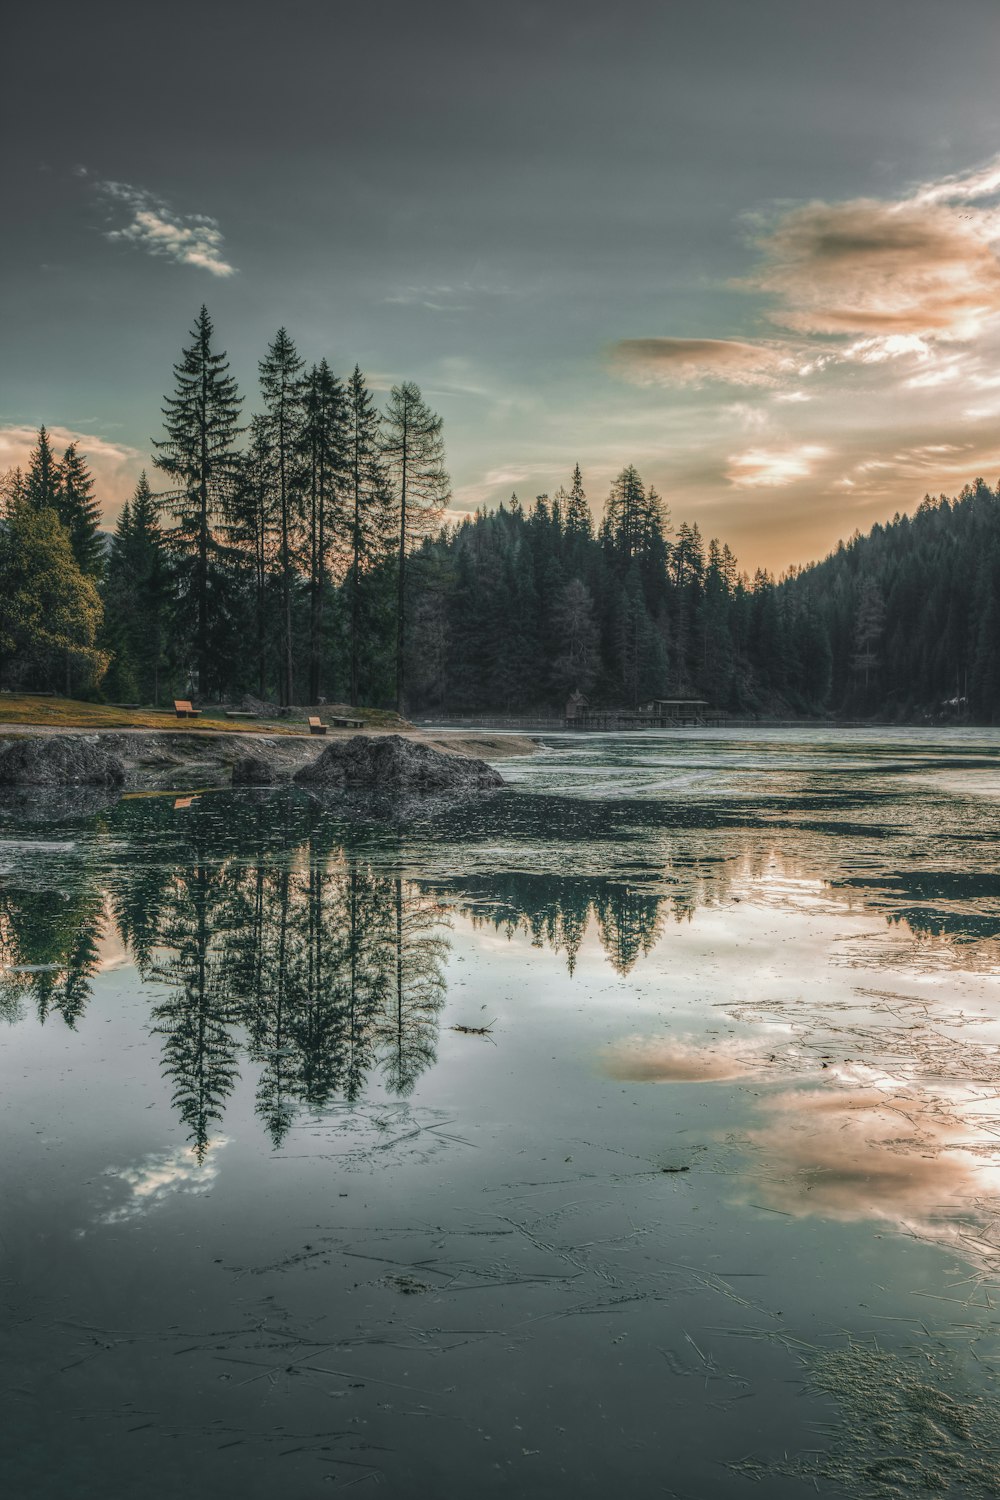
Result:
x=322 y=442
x=250 y=531
x=136 y=598
x=199 y=453
x=282 y=389
x=367 y=501
x=578 y=521
x=625 y=516
x=41 y=483
x=413 y=450
x=79 y=512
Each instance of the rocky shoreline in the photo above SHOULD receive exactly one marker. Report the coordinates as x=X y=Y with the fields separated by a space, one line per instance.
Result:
x=152 y=760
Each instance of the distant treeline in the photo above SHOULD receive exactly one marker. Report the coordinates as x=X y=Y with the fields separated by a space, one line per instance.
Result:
x=299 y=556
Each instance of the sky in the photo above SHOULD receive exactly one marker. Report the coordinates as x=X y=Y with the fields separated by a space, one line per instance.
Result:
x=749 y=247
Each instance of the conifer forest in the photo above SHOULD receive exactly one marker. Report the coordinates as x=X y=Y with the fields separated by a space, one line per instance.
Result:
x=294 y=546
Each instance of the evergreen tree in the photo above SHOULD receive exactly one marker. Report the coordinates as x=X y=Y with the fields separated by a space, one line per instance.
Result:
x=137 y=599
x=282 y=388
x=323 y=441
x=575 y=664
x=80 y=513
x=251 y=533
x=413 y=452
x=41 y=483
x=578 y=521
x=199 y=454
x=367 y=502
x=625 y=516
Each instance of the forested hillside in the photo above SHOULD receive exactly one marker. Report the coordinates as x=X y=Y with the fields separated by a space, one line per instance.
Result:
x=518 y=608
x=297 y=554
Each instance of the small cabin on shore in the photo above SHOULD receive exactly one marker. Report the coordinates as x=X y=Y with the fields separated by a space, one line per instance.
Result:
x=655 y=713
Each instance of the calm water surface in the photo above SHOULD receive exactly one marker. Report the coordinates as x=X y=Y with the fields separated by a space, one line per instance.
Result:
x=635 y=1129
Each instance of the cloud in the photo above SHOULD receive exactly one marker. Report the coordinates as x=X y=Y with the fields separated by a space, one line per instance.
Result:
x=442 y=298
x=115 y=466
x=916 y=267
x=898 y=277
x=867 y=1146
x=772 y=468
x=189 y=239
x=639 y=1059
x=154 y=1179
x=675 y=361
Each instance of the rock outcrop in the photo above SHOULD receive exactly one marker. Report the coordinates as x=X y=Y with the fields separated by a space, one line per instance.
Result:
x=391 y=763
x=257 y=770
x=59 y=760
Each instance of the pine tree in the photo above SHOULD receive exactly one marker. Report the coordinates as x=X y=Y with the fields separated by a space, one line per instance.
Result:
x=79 y=512
x=625 y=516
x=367 y=500
x=282 y=389
x=578 y=520
x=137 y=597
x=251 y=534
x=199 y=454
x=41 y=483
x=322 y=440
x=413 y=452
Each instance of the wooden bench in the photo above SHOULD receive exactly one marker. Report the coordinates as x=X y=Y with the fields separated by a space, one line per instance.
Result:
x=346 y=723
x=316 y=726
x=183 y=709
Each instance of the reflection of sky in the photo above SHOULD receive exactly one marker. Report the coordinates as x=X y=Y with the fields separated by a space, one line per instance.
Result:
x=160 y=1176
x=869 y=1146
x=916 y=1149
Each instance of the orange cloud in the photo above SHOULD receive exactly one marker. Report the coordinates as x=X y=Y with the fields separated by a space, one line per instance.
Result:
x=889 y=1152
x=918 y=267
x=772 y=468
x=115 y=466
x=640 y=1059
x=674 y=361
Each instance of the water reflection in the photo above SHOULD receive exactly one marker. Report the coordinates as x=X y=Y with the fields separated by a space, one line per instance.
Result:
x=49 y=948
x=307 y=942
x=300 y=958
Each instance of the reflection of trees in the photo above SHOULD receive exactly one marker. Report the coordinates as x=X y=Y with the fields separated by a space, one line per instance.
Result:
x=408 y=1031
x=280 y=929
x=556 y=911
x=329 y=966
x=339 y=967
x=57 y=933
x=199 y=1015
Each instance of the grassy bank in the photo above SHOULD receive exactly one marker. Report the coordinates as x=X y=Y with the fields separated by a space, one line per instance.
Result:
x=71 y=713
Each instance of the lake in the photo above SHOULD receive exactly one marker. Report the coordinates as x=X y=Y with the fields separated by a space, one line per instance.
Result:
x=632 y=1130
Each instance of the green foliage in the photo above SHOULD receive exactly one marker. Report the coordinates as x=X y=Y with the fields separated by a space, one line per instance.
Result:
x=903 y=623
x=50 y=612
x=80 y=512
x=199 y=455
x=137 y=591
x=309 y=560
x=41 y=483
x=413 y=453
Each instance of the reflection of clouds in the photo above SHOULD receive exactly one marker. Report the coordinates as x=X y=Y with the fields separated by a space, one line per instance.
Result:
x=639 y=1059
x=865 y=1145
x=162 y=1175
